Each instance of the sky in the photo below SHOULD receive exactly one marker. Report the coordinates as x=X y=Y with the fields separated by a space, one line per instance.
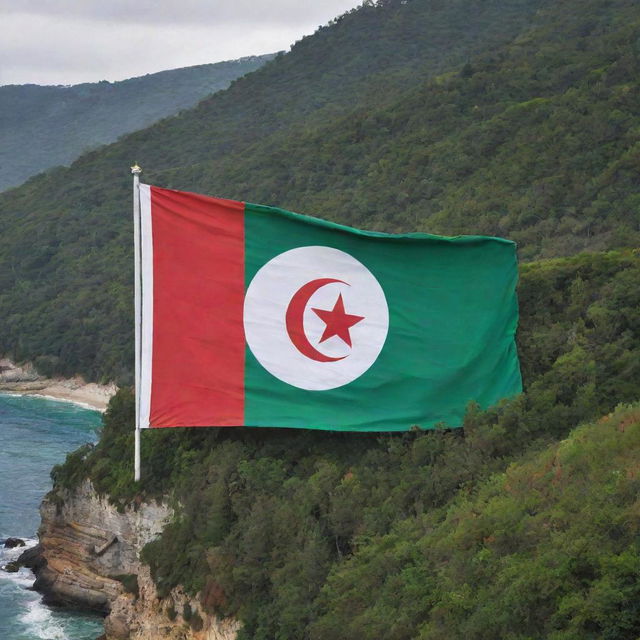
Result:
x=73 y=41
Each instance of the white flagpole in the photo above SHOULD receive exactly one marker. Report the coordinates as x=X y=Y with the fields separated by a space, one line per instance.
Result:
x=137 y=287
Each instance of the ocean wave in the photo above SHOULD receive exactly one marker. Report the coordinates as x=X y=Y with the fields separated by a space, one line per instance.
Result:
x=7 y=555
x=40 y=622
x=24 y=577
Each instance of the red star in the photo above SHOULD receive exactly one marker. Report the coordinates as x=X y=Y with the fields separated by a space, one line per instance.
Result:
x=338 y=322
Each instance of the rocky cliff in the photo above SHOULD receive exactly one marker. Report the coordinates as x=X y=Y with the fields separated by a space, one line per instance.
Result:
x=88 y=557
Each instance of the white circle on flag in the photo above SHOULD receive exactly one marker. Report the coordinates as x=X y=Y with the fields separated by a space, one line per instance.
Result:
x=304 y=307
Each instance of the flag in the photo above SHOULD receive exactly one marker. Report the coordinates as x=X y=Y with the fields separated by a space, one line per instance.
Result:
x=256 y=316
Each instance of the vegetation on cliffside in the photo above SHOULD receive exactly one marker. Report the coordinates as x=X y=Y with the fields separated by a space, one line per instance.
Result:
x=427 y=534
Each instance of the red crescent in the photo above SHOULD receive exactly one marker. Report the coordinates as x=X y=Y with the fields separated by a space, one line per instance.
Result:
x=295 y=320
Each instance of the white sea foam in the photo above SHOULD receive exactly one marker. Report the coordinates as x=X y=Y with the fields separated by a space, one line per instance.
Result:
x=24 y=577
x=7 y=555
x=40 y=622
x=36 y=618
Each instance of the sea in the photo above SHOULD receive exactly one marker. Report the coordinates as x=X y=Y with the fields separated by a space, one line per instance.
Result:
x=35 y=434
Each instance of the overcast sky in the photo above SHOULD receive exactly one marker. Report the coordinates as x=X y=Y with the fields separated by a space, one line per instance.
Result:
x=72 y=41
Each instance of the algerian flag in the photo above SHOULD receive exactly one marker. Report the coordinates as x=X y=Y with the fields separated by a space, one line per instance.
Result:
x=261 y=317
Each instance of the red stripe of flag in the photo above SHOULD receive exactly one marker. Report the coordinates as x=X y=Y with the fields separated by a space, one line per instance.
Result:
x=198 y=336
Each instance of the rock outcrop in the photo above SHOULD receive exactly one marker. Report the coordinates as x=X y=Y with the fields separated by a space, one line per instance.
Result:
x=86 y=542
x=148 y=617
x=12 y=543
x=89 y=557
x=11 y=373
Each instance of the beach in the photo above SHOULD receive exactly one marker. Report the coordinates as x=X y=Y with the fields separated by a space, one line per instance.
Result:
x=24 y=380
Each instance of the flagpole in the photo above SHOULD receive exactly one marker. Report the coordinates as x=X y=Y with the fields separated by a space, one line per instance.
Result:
x=137 y=296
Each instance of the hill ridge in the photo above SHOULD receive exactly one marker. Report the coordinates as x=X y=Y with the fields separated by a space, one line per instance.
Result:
x=68 y=119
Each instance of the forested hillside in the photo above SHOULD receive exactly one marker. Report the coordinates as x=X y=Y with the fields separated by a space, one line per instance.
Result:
x=517 y=526
x=398 y=116
x=45 y=126
x=506 y=117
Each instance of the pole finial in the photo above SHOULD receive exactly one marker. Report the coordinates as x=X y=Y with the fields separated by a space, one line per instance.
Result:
x=136 y=170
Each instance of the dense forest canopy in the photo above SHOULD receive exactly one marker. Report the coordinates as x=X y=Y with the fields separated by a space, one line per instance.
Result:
x=397 y=116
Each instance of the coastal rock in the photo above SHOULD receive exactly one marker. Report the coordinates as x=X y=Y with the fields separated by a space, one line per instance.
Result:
x=32 y=558
x=85 y=542
x=12 y=373
x=147 y=617
x=117 y=627
x=12 y=543
x=87 y=546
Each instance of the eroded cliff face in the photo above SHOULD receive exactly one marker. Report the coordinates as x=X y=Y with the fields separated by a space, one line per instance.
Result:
x=86 y=543
x=88 y=557
x=148 y=617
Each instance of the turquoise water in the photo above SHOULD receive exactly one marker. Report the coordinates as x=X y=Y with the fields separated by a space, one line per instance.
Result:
x=35 y=434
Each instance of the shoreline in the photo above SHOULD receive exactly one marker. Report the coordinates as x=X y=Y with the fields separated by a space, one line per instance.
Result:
x=91 y=406
x=24 y=381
